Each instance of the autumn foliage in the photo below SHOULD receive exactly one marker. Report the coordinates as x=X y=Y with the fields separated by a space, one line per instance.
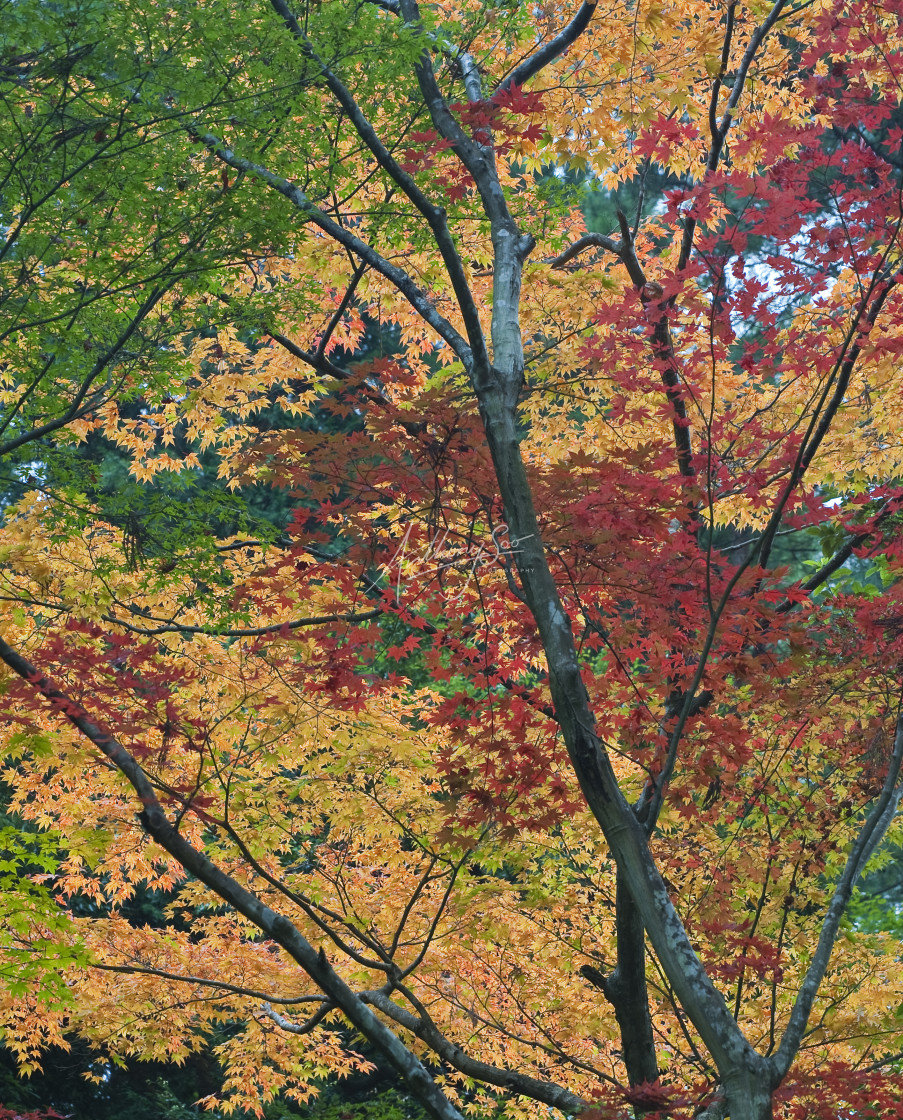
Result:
x=545 y=743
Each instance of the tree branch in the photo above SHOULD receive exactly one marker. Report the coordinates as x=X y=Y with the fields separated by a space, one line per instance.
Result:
x=627 y=992
x=80 y=406
x=274 y=925
x=220 y=985
x=434 y=215
x=863 y=848
x=721 y=131
x=588 y=241
x=703 y=1003
x=415 y=295
x=541 y=58
x=478 y=158
x=830 y=401
x=298 y=1028
x=248 y=632
x=424 y=1029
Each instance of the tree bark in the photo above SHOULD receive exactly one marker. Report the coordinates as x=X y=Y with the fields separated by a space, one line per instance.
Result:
x=629 y=995
x=626 y=991
x=748 y=1096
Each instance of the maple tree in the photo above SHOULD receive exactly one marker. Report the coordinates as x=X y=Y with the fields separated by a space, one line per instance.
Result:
x=522 y=754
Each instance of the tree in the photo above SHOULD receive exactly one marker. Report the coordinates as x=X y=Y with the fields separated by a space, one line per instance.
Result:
x=522 y=757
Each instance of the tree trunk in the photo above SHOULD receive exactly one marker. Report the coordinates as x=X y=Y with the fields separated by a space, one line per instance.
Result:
x=628 y=990
x=625 y=989
x=748 y=1096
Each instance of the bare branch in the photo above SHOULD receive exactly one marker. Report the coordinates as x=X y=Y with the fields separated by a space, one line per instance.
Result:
x=755 y=42
x=319 y=362
x=336 y=318
x=716 y=133
x=479 y=159
x=828 y=569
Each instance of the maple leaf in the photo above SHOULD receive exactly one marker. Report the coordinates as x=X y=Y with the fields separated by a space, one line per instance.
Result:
x=570 y=639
